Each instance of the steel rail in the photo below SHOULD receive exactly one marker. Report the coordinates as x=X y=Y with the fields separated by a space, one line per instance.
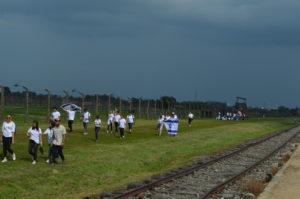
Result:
x=221 y=186
x=192 y=169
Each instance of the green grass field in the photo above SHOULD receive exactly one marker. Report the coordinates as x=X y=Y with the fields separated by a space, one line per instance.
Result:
x=92 y=167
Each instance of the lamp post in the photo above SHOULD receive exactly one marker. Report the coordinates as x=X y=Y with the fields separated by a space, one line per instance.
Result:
x=49 y=102
x=130 y=104
x=155 y=107
x=66 y=96
x=162 y=105
x=26 y=90
x=82 y=97
x=97 y=104
x=2 y=103
x=120 y=105
x=109 y=102
x=140 y=99
x=148 y=106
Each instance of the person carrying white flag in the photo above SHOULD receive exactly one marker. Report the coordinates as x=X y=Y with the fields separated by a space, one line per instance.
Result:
x=172 y=125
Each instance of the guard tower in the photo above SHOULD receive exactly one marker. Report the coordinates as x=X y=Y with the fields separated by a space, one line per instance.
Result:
x=241 y=103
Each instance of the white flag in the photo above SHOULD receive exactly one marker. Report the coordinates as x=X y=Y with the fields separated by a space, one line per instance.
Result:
x=172 y=126
x=71 y=107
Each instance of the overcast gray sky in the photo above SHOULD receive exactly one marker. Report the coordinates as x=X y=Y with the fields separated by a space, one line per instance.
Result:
x=150 y=48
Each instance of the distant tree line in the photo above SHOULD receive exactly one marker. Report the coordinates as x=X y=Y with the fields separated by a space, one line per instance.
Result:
x=166 y=103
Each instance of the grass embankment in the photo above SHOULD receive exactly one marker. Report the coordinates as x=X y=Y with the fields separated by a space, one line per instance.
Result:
x=111 y=163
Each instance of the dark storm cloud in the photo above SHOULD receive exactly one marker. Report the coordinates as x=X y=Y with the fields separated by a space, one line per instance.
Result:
x=152 y=48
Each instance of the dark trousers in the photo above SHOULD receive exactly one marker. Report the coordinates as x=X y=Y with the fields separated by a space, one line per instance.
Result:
x=97 y=129
x=56 y=151
x=190 y=121
x=130 y=126
x=7 y=145
x=121 y=132
x=32 y=149
x=70 y=125
x=85 y=126
x=49 y=153
x=109 y=127
x=116 y=126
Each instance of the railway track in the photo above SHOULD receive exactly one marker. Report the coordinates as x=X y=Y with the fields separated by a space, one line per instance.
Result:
x=203 y=180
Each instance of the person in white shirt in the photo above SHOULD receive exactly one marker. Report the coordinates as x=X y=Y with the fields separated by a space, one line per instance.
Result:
x=174 y=116
x=8 y=137
x=130 y=121
x=35 y=134
x=160 y=124
x=71 y=117
x=190 y=118
x=167 y=116
x=49 y=133
x=122 y=125
x=86 y=116
x=55 y=115
x=110 y=122
x=97 y=127
x=117 y=119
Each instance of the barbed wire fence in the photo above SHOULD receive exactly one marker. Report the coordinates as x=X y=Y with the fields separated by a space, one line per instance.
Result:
x=30 y=104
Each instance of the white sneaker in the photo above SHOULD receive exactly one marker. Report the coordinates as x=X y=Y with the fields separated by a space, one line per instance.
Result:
x=47 y=161
x=4 y=160
x=33 y=162
x=14 y=156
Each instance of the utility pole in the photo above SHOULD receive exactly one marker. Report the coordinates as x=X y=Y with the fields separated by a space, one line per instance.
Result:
x=120 y=105
x=26 y=90
x=140 y=107
x=155 y=107
x=49 y=103
x=82 y=97
x=109 y=102
x=66 y=96
x=130 y=104
x=2 y=103
x=97 y=104
x=148 y=106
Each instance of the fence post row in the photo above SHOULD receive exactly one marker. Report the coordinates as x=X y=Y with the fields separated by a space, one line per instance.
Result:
x=2 y=103
x=49 y=103
x=109 y=102
x=140 y=107
x=97 y=104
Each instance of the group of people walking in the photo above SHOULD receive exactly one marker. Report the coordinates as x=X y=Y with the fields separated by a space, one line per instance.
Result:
x=56 y=132
x=56 y=139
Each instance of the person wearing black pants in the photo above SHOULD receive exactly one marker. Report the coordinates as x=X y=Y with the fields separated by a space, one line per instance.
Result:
x=97 y=127
x=117 y=118
x=59 y=137
x=35 y=134
x=71 y=117
x=122 y=127
x=8 y=137
x=57 y=151
x=32 y=150
x=7 y=141
x=70 y=125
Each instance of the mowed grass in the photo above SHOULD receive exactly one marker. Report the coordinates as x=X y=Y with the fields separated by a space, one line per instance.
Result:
x=92 y=167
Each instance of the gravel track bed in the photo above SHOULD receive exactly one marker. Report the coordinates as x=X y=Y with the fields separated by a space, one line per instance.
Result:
x=197 y=184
